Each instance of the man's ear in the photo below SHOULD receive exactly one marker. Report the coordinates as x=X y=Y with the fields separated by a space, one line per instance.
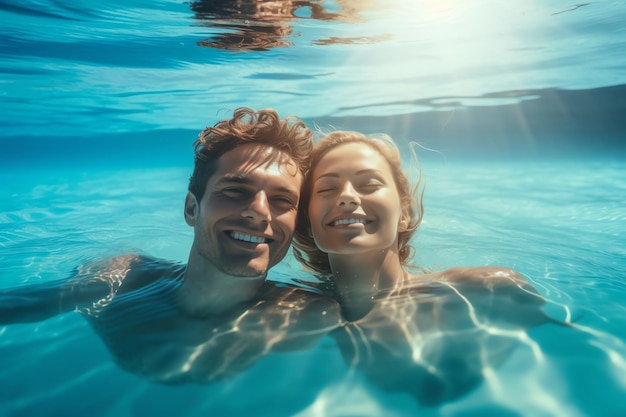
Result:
x=191 y=209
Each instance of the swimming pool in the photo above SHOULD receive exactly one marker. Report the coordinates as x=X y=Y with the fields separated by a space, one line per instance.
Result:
x=518 y=109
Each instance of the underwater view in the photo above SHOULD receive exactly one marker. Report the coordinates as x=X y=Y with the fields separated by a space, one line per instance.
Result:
x=508 y=115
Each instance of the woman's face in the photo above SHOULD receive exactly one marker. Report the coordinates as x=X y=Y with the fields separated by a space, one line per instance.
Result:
x=355 y=206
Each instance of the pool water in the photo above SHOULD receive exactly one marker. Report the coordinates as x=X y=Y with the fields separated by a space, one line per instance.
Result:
x=517 y=110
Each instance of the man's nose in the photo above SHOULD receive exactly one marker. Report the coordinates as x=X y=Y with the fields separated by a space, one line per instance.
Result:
x=349 y=196
x=259 y=208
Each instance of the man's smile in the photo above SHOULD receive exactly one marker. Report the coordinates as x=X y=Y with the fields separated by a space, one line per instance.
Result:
x=248 y=238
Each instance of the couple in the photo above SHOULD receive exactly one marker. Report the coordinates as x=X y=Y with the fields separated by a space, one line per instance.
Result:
x=258 y=182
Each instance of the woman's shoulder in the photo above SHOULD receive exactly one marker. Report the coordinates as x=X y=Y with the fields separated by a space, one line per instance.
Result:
x=474 y=274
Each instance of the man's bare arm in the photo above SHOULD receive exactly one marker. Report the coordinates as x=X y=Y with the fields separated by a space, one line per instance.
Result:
x=91 y=283
x=37 y=302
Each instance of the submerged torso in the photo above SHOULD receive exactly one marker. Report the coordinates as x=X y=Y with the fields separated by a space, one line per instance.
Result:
x=147 y=334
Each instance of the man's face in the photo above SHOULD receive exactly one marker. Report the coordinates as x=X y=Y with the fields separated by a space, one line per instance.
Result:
x=245 y=221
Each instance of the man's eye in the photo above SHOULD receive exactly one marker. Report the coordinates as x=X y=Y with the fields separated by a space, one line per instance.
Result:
x=234 y=192
x=285 y=201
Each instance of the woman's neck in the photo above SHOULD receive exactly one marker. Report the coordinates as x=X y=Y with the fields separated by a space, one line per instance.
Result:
x=359 y=278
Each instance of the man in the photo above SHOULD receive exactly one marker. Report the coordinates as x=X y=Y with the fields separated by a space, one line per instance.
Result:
x=217 y=315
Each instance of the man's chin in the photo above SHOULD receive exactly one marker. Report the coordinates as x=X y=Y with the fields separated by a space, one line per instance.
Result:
x=246 y=271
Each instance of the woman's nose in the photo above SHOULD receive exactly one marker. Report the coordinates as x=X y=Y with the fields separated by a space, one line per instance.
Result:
x=349 y=196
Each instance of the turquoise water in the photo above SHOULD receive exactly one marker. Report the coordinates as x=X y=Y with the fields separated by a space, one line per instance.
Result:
x=518 y=109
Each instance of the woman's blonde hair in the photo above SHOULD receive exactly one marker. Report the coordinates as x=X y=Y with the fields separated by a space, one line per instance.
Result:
x=304 y=247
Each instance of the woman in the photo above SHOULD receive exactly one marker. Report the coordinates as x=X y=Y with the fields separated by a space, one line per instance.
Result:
x=429 y=334
x=356 y=218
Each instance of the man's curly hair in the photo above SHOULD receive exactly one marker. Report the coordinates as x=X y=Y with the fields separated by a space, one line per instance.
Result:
x=289 y=136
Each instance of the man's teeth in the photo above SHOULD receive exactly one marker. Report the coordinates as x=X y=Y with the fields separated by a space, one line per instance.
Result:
x=348 y=221
x=248 y=238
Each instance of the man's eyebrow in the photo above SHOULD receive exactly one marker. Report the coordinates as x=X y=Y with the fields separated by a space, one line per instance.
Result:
x=290 y=190
x=245 y=180
x=235 y=178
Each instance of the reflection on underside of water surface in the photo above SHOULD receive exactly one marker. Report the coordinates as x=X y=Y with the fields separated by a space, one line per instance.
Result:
x=254 y=25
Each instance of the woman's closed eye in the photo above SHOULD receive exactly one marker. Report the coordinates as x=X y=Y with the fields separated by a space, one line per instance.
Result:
x=370 y=186
x=322 y=190
x=325 y=189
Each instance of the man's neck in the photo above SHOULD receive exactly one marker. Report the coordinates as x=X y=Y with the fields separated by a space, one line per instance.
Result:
x=207 y=291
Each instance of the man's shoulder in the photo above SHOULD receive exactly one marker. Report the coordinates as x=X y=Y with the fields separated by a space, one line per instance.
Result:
x=297 y=297
x=279 y=290
x=302 y=311
x=130 y=271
